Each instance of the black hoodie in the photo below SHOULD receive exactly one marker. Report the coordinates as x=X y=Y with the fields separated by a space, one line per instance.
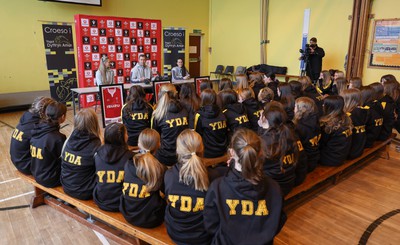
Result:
x=335 y=147
x=46 y=146
x=78 y=171
x=184 y=211
x=169 y=127
x=110 y=161
x=20 y=142
x=136 y=120
x=388 y=106
x=236 y=117
x=374 y=122
x=311 y=92
x=238 y=212
x=359 y=117
x=253 y=110
x=257 y=87
x=309 y=132
x=138 y=206
x=211 y=124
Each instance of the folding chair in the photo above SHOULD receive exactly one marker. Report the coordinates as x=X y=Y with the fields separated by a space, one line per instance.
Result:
x=228 y=72
x=218 y=71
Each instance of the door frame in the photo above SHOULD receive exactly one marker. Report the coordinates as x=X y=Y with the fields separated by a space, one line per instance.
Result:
x=201 y=35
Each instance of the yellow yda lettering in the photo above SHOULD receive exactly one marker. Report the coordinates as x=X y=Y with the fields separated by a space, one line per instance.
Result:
x=247 y=207
x=315 y=140
x=71 y=158
x=218 y=125
x=288 y=159
x=186 y=203
x=300 y=145
x=36 y=152
x=172 y=199
x=17 y=135
x=111 y=177
x=242 y=119
x=177 y=122
x=378 y=122
x=359 y=129
x=134 y=189
x=257 y=113
x=347 y=132
x=139 y=116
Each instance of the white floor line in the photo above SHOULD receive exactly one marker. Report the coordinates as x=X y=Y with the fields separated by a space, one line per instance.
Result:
x=6 y=181
x=20 y=195
x=102 y=239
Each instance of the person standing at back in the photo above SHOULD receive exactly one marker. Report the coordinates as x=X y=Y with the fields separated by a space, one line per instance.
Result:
x=315 y=55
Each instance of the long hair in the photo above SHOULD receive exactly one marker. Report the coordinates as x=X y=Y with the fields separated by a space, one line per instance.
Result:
x=305 y=107
x=378 y=88
x=205 y=84
x=367 y=95
x=103 y=69
x=326 y=80
x=388 y=77
x=188 y=97
x=208 y=97
x=136 y=95
x=305 y=82
x=296 y=88
x=334 y=116
x=166 y=95
x=265 y=95
x=227 y=97
x=189 y=148
x=225 y=83
x=54 y=111
x=255 y=77
x=148 y=168
x=352 y=99
x=86 y=120
x=391 y=88
x=242 y=82
x=246 y=93
x=287 y=99
x=356 y=82
x=341 y=85
x=114 y=134
x=279 y=138
x=248 y=146
x=39 y=106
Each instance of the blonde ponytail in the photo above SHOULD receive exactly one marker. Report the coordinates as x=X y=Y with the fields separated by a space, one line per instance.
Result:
x=166 y=94
x=189 y=148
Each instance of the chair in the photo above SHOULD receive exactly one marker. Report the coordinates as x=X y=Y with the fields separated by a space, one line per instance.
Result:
x=240 y=70
x=228 y=71
x=218 y=71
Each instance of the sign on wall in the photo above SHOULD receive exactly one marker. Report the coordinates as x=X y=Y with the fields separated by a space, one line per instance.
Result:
x=122 y=40
x=385 y=47
x=60 y=61
x=174 y=47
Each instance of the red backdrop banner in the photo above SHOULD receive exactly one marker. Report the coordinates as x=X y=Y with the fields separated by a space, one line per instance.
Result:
x=122 y=40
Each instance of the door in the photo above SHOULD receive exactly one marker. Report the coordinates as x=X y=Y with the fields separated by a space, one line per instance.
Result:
x=194 y=55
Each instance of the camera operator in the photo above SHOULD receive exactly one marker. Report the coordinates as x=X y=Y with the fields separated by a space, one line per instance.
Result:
x=313 y=55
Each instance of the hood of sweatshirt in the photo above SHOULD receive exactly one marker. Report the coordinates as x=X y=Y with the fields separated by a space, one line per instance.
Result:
x=209 y=111
x=236 y=107
x=251 y=103
x=28 y=118
x=111 y=153
x=311 y=122
x=243 y=188
x=79 y=140
x=44 y=128
x=174 y=106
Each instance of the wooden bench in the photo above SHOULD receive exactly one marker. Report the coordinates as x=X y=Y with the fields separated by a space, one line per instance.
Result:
x=322 y=174
x=111 y=224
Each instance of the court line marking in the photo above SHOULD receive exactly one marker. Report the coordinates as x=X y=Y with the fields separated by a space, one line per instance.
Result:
x=6 y=181
x=101 y=237
x=20 y=195
x=14 y=207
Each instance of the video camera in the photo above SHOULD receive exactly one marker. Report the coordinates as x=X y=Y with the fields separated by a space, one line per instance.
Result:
x=306 y=51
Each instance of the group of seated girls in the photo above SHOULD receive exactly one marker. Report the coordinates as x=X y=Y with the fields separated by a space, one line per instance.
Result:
x=273 y=143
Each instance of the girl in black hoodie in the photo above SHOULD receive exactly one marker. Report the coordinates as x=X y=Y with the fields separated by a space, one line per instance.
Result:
x=244 y=206
x=375 y=118
x=141 y=201
x=136 y=114
x=21 y=136
x=286 y=98
x=310 y=91
x=235 y=112
x=307 y=127
x=336 y=132
x=169 y=120
x=253 y=109
x=186 y=184
x=388 y=103
x=110 y=160
x=189 y=100
x=46 y=146
x=78 y=171
x=210 y=123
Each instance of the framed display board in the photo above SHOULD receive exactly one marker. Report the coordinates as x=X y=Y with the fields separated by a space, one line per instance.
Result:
x=385 y=46
x=157 y=86
x=112 y=100
x=197 y=81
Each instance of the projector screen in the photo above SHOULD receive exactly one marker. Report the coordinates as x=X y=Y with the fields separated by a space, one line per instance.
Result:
x=86 y=2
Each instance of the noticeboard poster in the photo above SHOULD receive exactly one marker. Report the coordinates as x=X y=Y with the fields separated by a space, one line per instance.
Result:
x=385 y=47
x=112 y=101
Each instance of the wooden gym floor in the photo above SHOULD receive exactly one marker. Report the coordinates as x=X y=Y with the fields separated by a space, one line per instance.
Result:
x=363 y=208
